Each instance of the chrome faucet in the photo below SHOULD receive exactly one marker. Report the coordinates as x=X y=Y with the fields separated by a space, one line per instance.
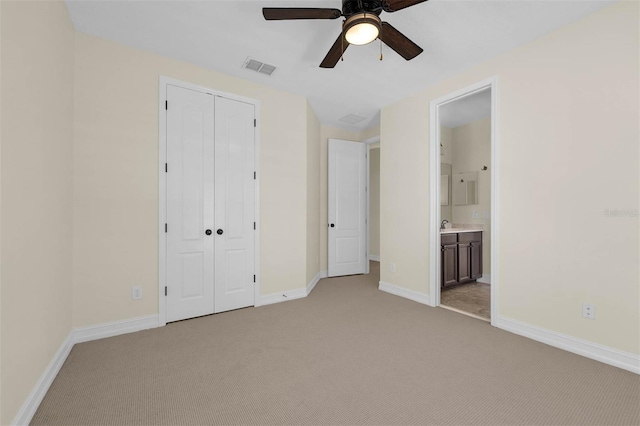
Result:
x=442 y=224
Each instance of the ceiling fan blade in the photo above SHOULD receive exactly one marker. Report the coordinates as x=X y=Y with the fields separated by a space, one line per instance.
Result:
x=399 y=42
x=336 y=51
x=395 y=5
x=280 y=13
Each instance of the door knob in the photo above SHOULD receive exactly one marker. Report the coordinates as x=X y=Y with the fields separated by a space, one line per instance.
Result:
x=332 y=225
x=208 y=232
x=219 y=232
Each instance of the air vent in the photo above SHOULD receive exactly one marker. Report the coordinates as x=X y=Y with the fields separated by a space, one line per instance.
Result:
x=352 y=119
x=257 y=66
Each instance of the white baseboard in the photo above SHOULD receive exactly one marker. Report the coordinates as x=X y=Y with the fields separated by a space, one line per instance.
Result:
x=313 y=283
x=284 y=296
x=416 y=296
x=34 y=399
x=485 y=279
x=115 y=328
x=605 y=354
x=298 y=293
x=77 y=335
x=374 y=257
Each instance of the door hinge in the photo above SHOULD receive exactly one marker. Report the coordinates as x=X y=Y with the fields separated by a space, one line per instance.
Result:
x=165 y=290
x=166 y=168
x=255 y=122
x=254 y=226
x=254 y=175
x=254 y=278
x=166 y=227
x=166 y=105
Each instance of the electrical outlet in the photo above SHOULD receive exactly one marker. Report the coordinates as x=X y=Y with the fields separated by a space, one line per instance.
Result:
x=475 y=214
x=588 y=311
x=393 y=267
x=136 y=292
x=485 y=214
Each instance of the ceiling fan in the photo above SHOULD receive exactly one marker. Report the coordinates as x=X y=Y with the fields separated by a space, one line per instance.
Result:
x=362 y=25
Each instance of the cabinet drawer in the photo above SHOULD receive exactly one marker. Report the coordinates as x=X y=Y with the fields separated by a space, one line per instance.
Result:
x=469 y=237
x=448 y=239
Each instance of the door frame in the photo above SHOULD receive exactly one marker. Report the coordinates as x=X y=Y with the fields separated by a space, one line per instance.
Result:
x=369 y=142
x=162 y=184
x=434 y=190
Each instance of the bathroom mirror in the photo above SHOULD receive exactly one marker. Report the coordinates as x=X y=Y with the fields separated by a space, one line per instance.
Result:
x=465 y=188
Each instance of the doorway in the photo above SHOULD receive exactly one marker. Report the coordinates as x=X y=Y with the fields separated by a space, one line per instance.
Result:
x=208 y=257
x=463 y=206
x=347 y=208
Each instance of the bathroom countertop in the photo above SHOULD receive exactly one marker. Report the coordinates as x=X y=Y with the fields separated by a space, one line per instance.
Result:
x=460 y=230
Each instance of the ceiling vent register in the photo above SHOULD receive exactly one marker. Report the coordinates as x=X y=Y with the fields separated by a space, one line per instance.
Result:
x=257 y=66
x=352 y=119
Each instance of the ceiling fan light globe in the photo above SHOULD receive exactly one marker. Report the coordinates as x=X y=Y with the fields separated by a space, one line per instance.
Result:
x=361 y=34
x=362 y=28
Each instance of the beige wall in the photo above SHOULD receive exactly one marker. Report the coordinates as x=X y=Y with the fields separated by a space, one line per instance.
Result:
x=568 y=134
x=369 y=133
x=37 y=131
x=374 y=202
x=471 y=150
x=116 y=178
x=313 y=194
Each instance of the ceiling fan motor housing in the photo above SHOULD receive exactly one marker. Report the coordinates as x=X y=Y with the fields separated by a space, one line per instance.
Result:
x=352 y=7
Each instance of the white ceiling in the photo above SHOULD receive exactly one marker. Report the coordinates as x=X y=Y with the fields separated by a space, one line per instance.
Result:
x=465 y=110
x=220 y=35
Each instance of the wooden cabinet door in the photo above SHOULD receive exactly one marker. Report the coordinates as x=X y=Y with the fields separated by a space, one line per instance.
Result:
x=464 y=262
x=449 y=265
x=476 y=260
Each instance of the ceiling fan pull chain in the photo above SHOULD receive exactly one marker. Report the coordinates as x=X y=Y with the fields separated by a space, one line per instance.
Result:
x=380 y=49
x=342 y=45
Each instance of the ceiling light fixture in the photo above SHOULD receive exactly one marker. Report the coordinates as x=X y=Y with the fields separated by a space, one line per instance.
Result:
x=362 y=28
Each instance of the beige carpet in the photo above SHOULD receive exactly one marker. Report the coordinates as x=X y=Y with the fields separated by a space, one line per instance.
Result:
x=474 y=298
x=347 y=354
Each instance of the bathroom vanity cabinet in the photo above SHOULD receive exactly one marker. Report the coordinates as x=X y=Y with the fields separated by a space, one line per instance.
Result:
x=461 y=257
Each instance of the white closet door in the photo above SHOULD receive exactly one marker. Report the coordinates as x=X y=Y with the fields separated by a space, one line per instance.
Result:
x=234 y=205
x=190 y=152
x=347 y=208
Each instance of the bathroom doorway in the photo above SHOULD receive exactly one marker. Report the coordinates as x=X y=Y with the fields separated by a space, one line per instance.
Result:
x=463 y=176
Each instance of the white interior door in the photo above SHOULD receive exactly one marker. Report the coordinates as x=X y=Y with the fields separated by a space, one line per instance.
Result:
x=347 y=208
x=190 y=137
x=234 y=204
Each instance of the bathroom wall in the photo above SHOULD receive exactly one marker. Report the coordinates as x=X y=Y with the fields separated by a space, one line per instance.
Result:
x=445 y=145
x=445 y=211
x=471 y=150
x=445 y=168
